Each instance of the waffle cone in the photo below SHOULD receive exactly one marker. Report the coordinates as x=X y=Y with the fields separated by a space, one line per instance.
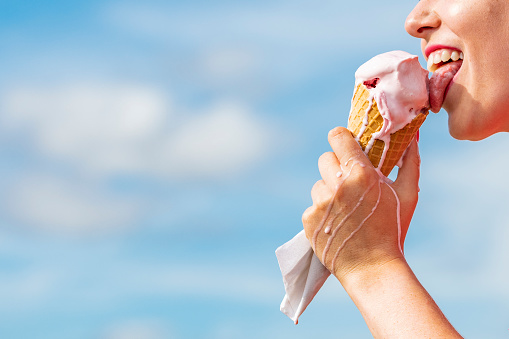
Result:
x=399 y=140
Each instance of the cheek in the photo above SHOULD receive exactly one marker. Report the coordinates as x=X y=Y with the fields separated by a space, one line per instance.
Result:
x=475 y=19
x=481 y=107
x=456 y=10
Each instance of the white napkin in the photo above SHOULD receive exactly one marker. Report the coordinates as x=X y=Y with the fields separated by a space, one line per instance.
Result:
x=303 y=275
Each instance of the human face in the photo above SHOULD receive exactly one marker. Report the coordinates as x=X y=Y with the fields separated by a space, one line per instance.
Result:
x=477 y=96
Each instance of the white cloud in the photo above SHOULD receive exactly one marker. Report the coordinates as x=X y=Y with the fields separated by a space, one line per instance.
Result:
x=238 y=70
x=231 y=63
x=66 y=206
x=96 y=127
x=97 y=132
x=225 y=140
x=116 y=129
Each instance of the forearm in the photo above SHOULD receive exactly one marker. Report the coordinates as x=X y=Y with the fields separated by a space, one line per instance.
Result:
x=395 y=305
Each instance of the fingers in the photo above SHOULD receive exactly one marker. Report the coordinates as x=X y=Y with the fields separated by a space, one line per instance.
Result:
x=408 y=175
x=320 y=193
x=330 y=169
x=313 y=215
x=407 y=185
x=346 y=147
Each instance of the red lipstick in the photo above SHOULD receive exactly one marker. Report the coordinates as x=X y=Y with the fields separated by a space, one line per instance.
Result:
x=431 y=48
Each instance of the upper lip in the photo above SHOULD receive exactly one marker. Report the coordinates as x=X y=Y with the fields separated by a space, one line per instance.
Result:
x=431 y=48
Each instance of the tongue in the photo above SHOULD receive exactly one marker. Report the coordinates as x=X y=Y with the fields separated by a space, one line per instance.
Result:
x=439 y=81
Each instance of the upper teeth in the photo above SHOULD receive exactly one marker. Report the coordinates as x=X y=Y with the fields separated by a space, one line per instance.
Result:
x=442 y=55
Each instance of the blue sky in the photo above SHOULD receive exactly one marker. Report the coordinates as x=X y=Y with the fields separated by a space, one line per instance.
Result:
x=153 y=156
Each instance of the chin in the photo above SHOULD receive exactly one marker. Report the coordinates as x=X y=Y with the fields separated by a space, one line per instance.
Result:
x=462 y=135
x=463 y=130
x=465 y=136
x=473 y=130
x=469 y=120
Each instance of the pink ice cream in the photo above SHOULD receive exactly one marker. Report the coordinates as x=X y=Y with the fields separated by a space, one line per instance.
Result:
x=400 y=88
x=399 y=85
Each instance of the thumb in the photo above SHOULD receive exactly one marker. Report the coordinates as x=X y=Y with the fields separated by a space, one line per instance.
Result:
x=407 y=181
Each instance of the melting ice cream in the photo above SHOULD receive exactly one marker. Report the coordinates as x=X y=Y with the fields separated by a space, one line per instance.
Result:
x=400 y=87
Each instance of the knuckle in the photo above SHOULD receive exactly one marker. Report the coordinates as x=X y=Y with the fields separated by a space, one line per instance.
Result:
x=322 y=203
x=307 y=216
x=321 y=197
x=325 y=158
x=364 y=176
x=315 y=187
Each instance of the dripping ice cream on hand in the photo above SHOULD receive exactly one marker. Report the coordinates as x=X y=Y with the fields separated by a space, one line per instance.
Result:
x=390 y=103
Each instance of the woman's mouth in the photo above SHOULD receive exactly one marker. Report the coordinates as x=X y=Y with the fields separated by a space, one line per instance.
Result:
x=442 y=56
x=444 y=63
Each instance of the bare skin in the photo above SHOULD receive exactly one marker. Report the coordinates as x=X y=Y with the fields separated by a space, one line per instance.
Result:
x=370 y=265
x=478 y=99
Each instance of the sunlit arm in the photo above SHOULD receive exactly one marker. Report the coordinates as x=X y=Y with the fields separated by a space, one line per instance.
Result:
x=395 y=305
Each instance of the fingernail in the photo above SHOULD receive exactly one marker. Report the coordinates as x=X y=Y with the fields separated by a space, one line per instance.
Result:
x=417 y=136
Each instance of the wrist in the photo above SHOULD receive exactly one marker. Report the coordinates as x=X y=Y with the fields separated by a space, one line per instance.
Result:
x=367 y=276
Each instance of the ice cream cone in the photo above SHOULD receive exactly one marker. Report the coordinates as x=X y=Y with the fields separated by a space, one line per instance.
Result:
x=399 y=139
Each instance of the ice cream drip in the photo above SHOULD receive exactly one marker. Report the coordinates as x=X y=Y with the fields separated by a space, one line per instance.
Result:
x=331 y=203
x=336 y=255
x=400 y=87
x=329 y=222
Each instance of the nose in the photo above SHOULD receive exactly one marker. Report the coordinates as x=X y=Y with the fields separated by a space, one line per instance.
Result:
x=422 y=20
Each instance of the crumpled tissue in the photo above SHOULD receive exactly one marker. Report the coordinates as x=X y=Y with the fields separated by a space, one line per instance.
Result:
x=303 y=275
